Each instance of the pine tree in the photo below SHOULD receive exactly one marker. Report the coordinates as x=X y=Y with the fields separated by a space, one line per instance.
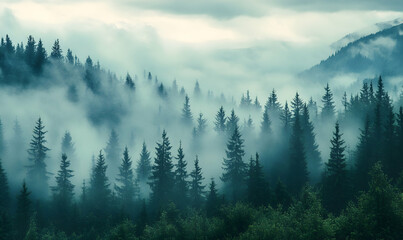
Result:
x=297 y=173
x=40 y=57
x=68 y=146
x=63 y=194
x=266 y=124
x=112 y=152
x=196 y=185
x=234 y=167
x=69 y=57
x=9 y=46
x=273 y=106
x=23 y=212
x=258 y=190
x=143 y=169
x=30 y=50
x=399 y=139
x=99 y=192
x=344 y=101
x=129 y=82
x=162 y=175
x=380 y=92
x=335 y=183
x=126 y=188
x=181 y=175
x=310 y=146
x=6 y=227
x=257 y=105
x=220 y=121
x=364 y=159
x=232 y=123
x=89 y=75
x=328 y=109
x=56 y=53
x=197 y=91
x=296 y=105
x=18 y=157
x=286 y=118
x=33 y=232
x=2 y=142
x=281 y=195
x=201 y=125
x=389 y=158
x=187 y=117
x=64 y=190
x=212 y=202
x=313 y=109
x=4 y=190
x=37 y=154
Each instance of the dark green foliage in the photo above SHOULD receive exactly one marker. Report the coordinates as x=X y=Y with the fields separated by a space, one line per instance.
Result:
x=399 y=140
x=196 y=191
x=4 y=190
x=37 y=155
x=162 y=176
x=220 y=121
x=257 y=188
x=314 y=162
x=33 y=232
x=40 y=57
x=126 y=189
x=124 y=231
x=99 y=192
x=30 y=50
x=297 y=167
x=378 y=213
x=212 y=201
x=63 y=192
x=2 y=141
x=181 y=175
x=335 y=182
x=5 y=226
x=281 y=196
x=143 y=168
x=328 y=109
x=234 y=167
x=23 y=212
x=364 y=160
x=187 y=117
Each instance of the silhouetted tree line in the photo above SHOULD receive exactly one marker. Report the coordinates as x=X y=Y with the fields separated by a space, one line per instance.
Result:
x=285 y=192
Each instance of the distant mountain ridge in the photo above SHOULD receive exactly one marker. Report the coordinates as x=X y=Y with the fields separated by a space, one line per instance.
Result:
x=351 y=37
x=380 y=53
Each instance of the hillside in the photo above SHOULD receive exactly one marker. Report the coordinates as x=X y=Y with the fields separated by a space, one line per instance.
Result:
x=375 y=54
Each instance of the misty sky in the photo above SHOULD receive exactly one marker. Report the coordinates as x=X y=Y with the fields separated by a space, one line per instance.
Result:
x=222 y=43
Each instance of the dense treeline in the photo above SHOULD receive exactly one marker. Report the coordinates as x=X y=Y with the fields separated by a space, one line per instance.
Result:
x=285 y=190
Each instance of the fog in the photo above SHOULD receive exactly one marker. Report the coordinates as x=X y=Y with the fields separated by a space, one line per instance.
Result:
x=227 y=55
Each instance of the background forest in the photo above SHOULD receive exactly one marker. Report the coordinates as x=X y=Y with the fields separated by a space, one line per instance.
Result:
x=86 y=154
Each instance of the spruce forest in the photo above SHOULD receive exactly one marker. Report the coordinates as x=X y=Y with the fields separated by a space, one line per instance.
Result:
x=88 y=154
